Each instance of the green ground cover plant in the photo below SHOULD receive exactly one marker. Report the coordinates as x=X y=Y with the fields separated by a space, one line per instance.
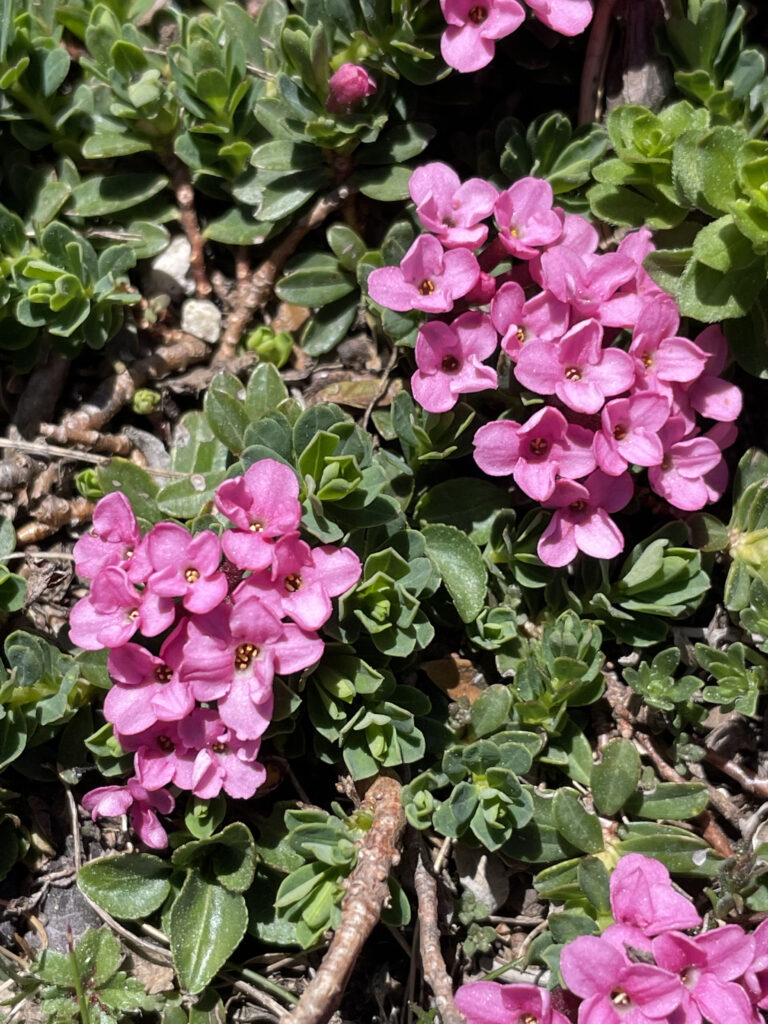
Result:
x=383 y=563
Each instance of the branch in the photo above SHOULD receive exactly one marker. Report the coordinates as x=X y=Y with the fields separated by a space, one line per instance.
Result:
x=185 y=197
x=432 y=962
x=253 y=292
x=593 y=70
x=367 y=891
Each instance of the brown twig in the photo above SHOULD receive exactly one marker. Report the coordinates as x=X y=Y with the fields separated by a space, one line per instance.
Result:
x=593 y=69
x=432 y=962
x=185 y=197
x=117 y=391
x=40 y=395
x=748 y=781
x=50 y=515
x=253 y=291
x=366 y=893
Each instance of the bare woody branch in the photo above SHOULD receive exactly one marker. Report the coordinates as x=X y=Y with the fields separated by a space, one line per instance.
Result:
x=254 y=291
x=432 y=962
x=366 y=894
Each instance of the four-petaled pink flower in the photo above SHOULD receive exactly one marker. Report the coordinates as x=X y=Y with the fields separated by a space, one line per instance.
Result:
x=449 y=360
x=581 y=521
x=451 y=211
x=112 y=540
x=263 y=505
x=642 y=895
x=488 y=1002
x=630 y=432
x=428 y=278
x=536 y=452
x=186 y=566
x=579 y=370
x=518 y=321
x=526 y=219
x=469 y=41
x=681 y=476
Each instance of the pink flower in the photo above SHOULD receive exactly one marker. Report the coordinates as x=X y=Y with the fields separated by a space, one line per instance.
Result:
x=537 y=452
x=133 y=798
x=452 y=211
x=303 y=580
x=660 y=356
x=488 y=1002
x=613 y=989
x=222 y=760
x=348 y=87
x=186 y=566
x=428 y=278
x=707 y=966
x=468 y=42
x=263 y=505
x=449 y=360
x=709 y=394
x=581 y=521
x=591 y=284
x=113 y=539
x=579 y=370
x=541 y=318
x=681 y=475
x=642 y=896
x=756 y=975
x=114 y=610
x=147 y=690
x=630 y=432
x=161 y=756
x=568 y=17
x=526 y=219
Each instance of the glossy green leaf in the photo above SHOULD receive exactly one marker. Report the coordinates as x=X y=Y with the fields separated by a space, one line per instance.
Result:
x=127 y=885
x=575 y=822
x=615 y=778
x=461 y=567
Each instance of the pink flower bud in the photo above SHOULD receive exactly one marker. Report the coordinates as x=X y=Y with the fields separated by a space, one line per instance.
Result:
x=348 y=86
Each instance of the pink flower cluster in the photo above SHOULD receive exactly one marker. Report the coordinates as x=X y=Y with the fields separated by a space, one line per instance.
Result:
x=237 y=610
x=562 y=313
x=644 y=969
x=474 y=26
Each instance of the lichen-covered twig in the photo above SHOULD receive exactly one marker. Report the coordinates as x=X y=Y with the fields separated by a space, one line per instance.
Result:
x=50 y=515
x=117 y=391
x=367 y=891
x=254 y=290
x=748 y=781
x=432 y=962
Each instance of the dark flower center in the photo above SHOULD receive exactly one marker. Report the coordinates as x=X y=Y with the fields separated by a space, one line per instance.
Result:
x=573 y=373
x=450 y=364
x=244 y=655
x=577 y=507
x=520 y=334
x=620 y=432
x=133 y=614
x=647 y=360
x=256 y=527
x=165 y=743
x=478 y=14
x=191 y=575
x=292 y=582
x=527 y=1018
x=426 y=287
x=163 y=673
x=539 y=446
x=219 y=748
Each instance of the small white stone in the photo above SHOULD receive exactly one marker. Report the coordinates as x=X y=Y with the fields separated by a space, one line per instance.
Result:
x=201 y=318
x=169 y=272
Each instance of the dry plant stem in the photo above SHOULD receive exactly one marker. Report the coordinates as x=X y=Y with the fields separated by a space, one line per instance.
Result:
x=185 y=197
x=711 y=831
x=433 y=965
x=593 y=69
x=118 y=391
x=366 y=894
x=253 y=292
x=748 y=781
x=51 y=514
x=40 y=395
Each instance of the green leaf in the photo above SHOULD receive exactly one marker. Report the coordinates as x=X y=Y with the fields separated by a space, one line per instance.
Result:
x=230 y=853
x=224 y=407
x=135 y=483
x=711 y=295
x=461 y=566
x=615 y=778
x=575 y=823
x=468 y=504
x=594 y=881
x=128 y=885
x=206 y=924
x=385 y=184
x=315 y=282
x=99 y=196
x=491 y=711
x=670 y=800
x=329 y=325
